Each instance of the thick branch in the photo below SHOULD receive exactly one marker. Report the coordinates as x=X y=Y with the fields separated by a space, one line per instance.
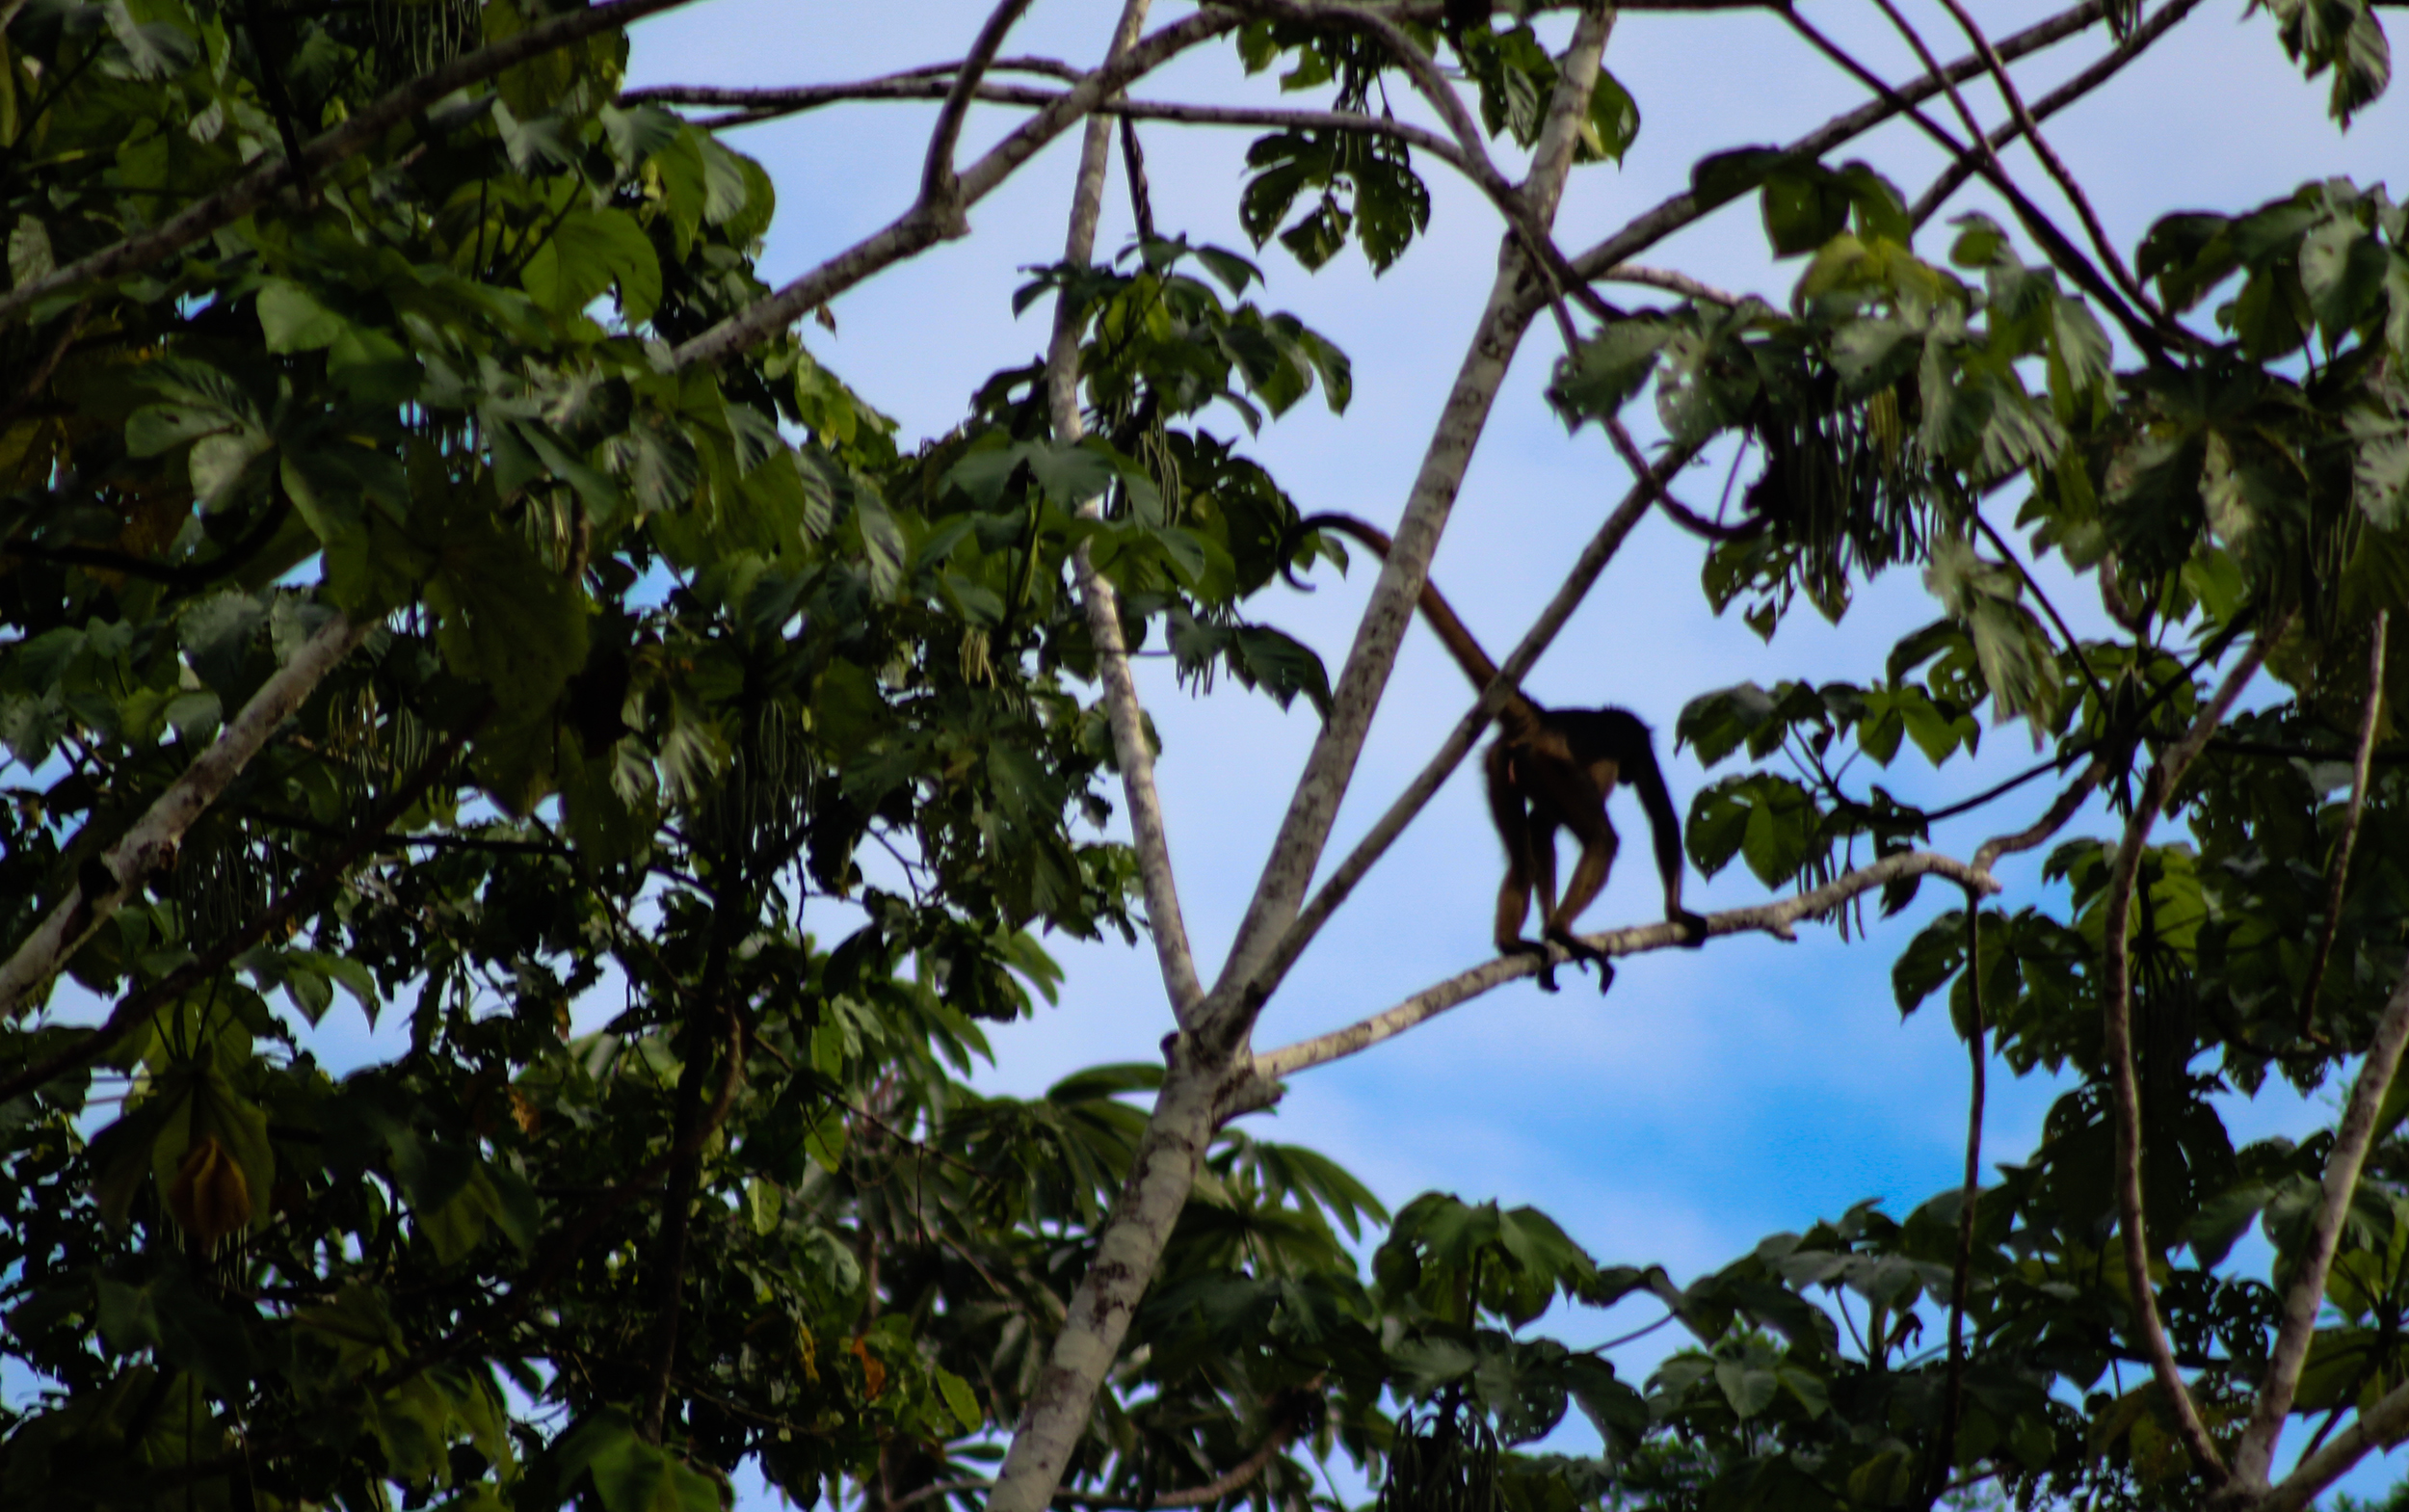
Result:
x=2338 y=865
x=2378 y=1427
x=149 y=846
x=1777 y=919
x=355 y=135
x=1272 y=913
x=924 y=224
x=2117 y=1046
x=2305 y=1293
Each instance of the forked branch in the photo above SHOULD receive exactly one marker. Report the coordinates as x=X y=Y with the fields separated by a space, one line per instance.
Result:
x=2117 y=1046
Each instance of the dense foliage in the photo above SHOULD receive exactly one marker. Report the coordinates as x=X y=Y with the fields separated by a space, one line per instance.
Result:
x=687 y=765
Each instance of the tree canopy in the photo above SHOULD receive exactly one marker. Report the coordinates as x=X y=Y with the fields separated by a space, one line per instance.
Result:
x=438 y=582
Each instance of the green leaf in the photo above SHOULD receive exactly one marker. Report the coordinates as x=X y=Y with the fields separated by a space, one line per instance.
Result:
x=292 y=319
x=959 y=1399
x=591 y=251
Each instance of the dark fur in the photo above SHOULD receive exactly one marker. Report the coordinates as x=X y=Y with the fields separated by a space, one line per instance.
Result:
x=1551 y=769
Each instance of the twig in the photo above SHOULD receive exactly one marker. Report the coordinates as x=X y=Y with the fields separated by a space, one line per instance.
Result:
x=1953 y=1403
x=2052 y=819
x=937 y=171
x=355 y=135
x=2338 y=864
x=1777 y=919
x=2380 y=1426
x=149 y=846
x=1133 y=168
x=2117 y=1047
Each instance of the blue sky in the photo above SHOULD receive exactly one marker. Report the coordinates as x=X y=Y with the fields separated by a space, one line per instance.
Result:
x=1715 y=1097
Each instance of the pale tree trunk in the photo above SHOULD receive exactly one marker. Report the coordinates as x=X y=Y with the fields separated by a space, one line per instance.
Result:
x=1209 y=1060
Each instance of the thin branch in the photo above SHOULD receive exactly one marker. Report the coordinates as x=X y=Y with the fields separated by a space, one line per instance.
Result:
x=1777 y=919
x=149 y=846
x=2066 y=633
x=1670 y=282
x=923 y=224
x=2067 y=183
x=2061 y=251
x=2160 y=22
x=1952 y=1404
x=355 y=135
x=1100 y=600
x=2052 y=820
x=1133 y=169
x=764 y=105
x=1235 y=1478
x=1656 y=483
x=2338 y=864
x=936 y=173
x=1670 y=214
x=2117 y=1046
x=136 y=1008
x=40 y=375
x=932 y=77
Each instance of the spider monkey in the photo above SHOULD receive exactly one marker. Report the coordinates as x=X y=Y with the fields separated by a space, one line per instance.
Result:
x=1549 y=769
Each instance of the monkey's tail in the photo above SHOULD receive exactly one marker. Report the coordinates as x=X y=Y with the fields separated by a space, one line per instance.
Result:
x=1435 y=609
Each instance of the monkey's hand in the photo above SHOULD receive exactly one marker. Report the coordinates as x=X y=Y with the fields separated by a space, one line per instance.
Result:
x=1693 y=927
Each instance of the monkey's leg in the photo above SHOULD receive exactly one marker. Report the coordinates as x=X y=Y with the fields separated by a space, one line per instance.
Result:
x=1514 y=894
x=1584 y=812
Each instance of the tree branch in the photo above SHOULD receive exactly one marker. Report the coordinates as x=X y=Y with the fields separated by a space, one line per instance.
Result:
x=149 y=846
x=2380 y=1426
x=936 y=173
x=2338 y=865
x=2118 y=1050
x=1952 y=1404
x=1098 y=597
x=1305 y=829
x=924 y=225
x=1668 y=216
x=2061 y=251
x=1258 y=1089
x=257 y=187
x=2160 y=22
x=2305 y=1293
x=761 y=105
x=2056 y=166
x=1237 y=1477
x=136 y=1008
